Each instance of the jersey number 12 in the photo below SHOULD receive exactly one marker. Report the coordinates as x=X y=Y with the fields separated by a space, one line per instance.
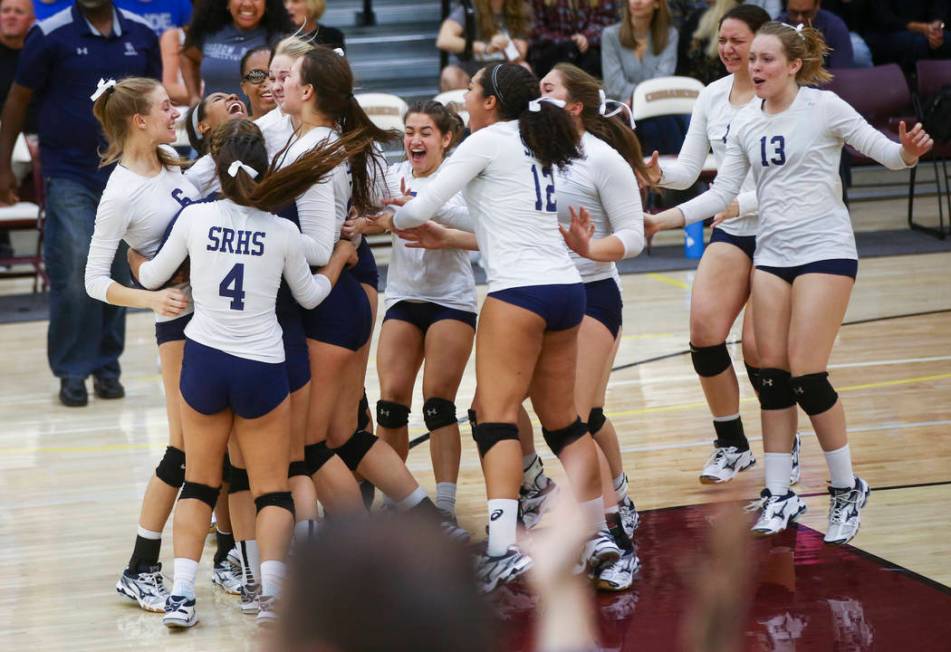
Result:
x=232 y=287
x=550 y=204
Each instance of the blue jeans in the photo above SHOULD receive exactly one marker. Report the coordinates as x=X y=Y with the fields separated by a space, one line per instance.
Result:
x=86 y=337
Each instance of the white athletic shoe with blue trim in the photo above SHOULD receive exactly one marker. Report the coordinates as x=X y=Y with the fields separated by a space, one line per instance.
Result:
x=146 y=588
x=845 y=511
x=619 y=575
x=724 y=463
x=180 y=612
x=492 y=571
x=776 y=512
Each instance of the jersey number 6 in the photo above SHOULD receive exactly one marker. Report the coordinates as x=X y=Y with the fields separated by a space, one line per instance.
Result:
x=550 y=205
x=778 y=155
x=232 y=286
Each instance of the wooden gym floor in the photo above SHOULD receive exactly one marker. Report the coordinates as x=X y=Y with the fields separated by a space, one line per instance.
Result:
x=72 y=479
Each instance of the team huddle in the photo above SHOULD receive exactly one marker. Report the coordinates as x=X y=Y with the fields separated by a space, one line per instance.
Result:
x=255 y=262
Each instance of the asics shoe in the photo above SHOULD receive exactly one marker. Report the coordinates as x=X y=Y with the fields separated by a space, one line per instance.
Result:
x=794 y=475
x=630 y=519
x=180 y=612
x=224 y=576
x=724 y=463
x=601 y=549
x=619 y=575
x=845 y=511
x=267 y=610
x=249 y=598
x=147 y=588
x=535 y=500
x=492 y=571
x=776 y=512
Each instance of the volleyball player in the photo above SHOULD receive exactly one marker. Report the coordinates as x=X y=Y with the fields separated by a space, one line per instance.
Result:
x=234 y=369
x=528 y=327
x=431 y=308
x=144 y=192
x=805 y=260
x=722 y=285
x=318 y=95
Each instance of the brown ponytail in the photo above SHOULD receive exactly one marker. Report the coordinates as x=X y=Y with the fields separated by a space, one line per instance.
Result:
x=805 y=44
x=584 y=88
x=114 y=110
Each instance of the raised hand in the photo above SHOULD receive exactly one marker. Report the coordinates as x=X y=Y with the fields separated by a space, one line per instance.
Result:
x=579 y=233
x=915 y=143
x=654 y=173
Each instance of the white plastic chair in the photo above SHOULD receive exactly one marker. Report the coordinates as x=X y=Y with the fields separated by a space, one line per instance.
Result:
x=454 y=100
x=385 y=110
x=25 y=216
x=665 y=96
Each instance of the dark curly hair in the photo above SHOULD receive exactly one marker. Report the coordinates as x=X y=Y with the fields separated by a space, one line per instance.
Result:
x=210 y=16
x=549 y=133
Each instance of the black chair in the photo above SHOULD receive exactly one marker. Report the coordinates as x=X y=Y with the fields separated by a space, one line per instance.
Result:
x=933 y=75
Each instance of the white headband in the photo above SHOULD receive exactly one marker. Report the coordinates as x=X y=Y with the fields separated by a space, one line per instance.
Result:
x=798 y=29
x=239 y=165
x=621 y=106
x=198 y=134
x=536 y=105
x=102 y=87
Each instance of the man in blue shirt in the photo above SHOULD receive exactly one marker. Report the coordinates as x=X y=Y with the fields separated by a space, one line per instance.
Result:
x=833 y=28
x=62 y=60
x=160 y=14
x=46 y=8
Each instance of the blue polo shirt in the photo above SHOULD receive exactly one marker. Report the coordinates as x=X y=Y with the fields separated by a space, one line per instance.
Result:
x=62 y=61
x=44 y=10
x=160 y=14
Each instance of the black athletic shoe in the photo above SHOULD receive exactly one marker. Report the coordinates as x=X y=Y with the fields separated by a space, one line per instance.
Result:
x=108 y=388
x=72 y=392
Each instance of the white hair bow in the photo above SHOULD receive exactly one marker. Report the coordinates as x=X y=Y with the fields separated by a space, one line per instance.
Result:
x=102 y=87
x=536 y=105
x=339 y=52
x=798 y=29
x=239 y=165
x=621 y=106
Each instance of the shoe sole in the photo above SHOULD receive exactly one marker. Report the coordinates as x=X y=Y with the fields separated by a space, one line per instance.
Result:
x=842 y=542
x=710 y=479
x=762 y=534
x=179 y=624
x=123 y=591
x=224 y=588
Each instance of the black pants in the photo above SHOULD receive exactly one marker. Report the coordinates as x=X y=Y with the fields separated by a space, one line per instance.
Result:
x=543 y=55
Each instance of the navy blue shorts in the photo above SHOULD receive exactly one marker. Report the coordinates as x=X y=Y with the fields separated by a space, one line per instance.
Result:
x=365 y=270
x=296 y=359
x=422 y=315
x=745 y=242
x=213 y=381
x=561 y=306
x=604 y=304
x=344 y=318
x=836 y=266
x=173 y=330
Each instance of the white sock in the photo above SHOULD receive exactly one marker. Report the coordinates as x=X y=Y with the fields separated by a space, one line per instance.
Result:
x=778 y=469
x=593 y=511
x=620 y=487
x=304 y=530
x=272 y=576
x=840 y=468
x=184 y=579
x=411 y=500
x=148 y=534
x=503 y=517
x=446 y=496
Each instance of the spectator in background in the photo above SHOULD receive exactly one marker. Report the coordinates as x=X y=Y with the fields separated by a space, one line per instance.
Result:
x=855 y=14
x=697 y=51
x=681 y=10
x=904 y=31
x=162 y=15
x=569 y=31
x=500 y=32
x=305 y=14
x=642 y=46
x=833 y=28
x=170 y=46
x=772 y=7
x=220 y=33
x=62 y=60
x=254 y=81
x=46 y=8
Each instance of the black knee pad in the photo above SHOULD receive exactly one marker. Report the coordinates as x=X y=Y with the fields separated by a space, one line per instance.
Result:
x=202 y=492
x=391 y=415
x=473 y=422
x=814 y=392
x=171 y=469
x=558 y=439
x=487 y=435
x=439 y=413
x=298 y=467
x=316 y=455
x=775 y=389
x=596 y=420
x=226 y=469
x=239 y=480
x=753 y=374
x=275 y=499
x=710 y=360
x=355 y=449
x=363 y=418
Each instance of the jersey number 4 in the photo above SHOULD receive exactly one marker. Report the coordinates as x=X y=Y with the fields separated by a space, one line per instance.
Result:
x=550 y=204
x=777 y=155
x=232 y=287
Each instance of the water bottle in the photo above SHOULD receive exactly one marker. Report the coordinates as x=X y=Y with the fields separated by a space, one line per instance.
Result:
x=693 y=240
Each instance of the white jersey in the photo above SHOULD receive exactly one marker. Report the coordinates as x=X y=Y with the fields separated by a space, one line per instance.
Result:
x=238 y=256
x=603 y=183
x=513 y=204
x=322 y=209
x=710 y=124
x=138 y=210
x=277 y=130
x=794 y=156
x=441 y=276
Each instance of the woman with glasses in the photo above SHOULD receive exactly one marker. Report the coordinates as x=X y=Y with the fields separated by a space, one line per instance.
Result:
x=254 y=81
